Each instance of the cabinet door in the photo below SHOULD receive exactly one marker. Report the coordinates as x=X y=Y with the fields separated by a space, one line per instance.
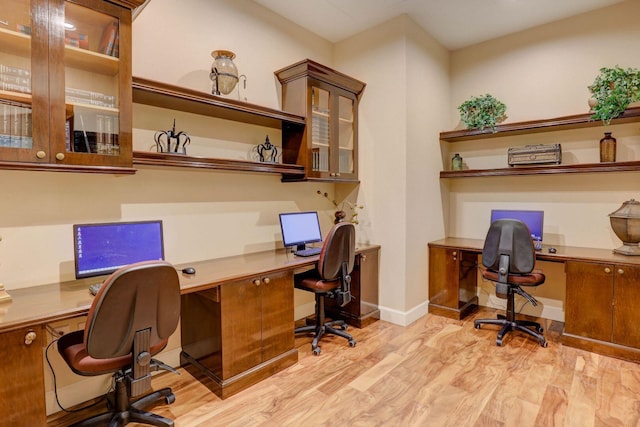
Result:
x=23 y=80
x=626 y=316
x=589 y=310
x=277 y=314
x=90 y=89
x=22 y=386
x=241 y=326
x=443 y=277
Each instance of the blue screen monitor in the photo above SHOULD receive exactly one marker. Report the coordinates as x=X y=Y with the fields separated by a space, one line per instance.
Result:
x=103 y=248
x=300 y=228
x=533 y=219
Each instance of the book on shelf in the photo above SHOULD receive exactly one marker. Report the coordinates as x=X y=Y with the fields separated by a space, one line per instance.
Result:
x=109 y=38
x=24 y=29
x=15 y=125
x=100 y=137
x=76 y=40
x=14 y=71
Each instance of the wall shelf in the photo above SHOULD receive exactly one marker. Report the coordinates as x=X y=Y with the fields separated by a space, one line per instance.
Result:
x=545 y=170
x=171 y=97
x=537 y=126
x=177 y=160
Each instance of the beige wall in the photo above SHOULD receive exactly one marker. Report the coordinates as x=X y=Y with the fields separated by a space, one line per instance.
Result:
x=544 y=73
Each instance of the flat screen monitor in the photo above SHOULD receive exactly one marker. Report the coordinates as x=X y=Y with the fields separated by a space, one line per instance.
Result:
x=103 y=248
x=533 y=219
x=300 y=228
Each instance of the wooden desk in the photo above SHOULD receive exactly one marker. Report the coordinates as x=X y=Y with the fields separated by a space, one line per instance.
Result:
x=22 y=389
x=603 y=292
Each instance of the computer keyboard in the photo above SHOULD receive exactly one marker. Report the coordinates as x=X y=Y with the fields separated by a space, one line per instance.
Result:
x=308 y=252
x=93 y=289
x=537 y=246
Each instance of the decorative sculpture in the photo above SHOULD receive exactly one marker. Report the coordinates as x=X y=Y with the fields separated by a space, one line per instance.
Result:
x=171 y=142
x=267 y=152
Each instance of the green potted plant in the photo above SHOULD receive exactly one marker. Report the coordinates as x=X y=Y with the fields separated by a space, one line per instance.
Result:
x=482 y=112
x=613 y=90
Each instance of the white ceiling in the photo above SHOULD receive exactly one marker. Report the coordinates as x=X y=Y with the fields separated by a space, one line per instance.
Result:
x=454 y=23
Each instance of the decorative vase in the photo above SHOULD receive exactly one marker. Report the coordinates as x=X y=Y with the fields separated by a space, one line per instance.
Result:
x=625 y=222
x=224 y=73
x=456 y=162
x=607 y=148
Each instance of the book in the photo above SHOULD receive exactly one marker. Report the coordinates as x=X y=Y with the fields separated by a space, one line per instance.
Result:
x=108 y=39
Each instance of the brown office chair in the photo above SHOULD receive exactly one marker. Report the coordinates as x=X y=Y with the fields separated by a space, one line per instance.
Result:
x=131 y=318
x=509 y=257
x=331 y=279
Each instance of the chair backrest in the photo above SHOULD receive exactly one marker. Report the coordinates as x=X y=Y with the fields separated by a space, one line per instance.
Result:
x=136 y=297
x=511 y=238
x=339 y=247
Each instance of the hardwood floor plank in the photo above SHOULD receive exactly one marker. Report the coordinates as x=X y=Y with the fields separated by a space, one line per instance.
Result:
x=434 y=372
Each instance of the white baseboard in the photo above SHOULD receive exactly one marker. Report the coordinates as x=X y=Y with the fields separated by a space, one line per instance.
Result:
x=89 y=387
x=403 y=318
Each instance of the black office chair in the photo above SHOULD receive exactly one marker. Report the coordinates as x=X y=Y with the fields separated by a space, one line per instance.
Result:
x=131 y=319
x=331 y=279
x=509 y=257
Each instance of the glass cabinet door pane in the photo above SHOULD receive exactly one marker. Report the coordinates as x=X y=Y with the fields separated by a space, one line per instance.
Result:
x=320 y=129
x=16 y=128
x=345 y=136
x=91 y=81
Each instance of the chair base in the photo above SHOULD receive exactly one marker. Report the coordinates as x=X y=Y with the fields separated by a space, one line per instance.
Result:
x=133 y=412
x=514 y=325
x=321 y=327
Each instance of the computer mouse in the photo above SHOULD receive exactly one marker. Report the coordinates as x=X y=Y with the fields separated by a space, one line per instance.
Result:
x=552 y=250
x=189 y=270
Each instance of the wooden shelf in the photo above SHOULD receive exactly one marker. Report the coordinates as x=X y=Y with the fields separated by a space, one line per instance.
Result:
x=163 y=95
x=537 y=126
x=91 y=61
x=545 y=170
x=177 y=160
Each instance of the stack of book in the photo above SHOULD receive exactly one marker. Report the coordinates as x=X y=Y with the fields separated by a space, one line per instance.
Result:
x=15 y=79
x=81 y=96
x=99 y=136
x=15 y=125
x=109 y=43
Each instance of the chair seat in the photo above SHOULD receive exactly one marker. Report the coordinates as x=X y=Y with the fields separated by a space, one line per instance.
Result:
x=72 y=348
x=310 y=281
x=534 y=278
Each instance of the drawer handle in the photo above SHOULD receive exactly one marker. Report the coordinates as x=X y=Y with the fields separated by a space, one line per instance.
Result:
x=455 y=253
x=41 y=154
x=363 y=258
x=256 y=282
x=30 y=337
x=620 y=271
x=60 y=156
x=266 y=280
x=607 y=270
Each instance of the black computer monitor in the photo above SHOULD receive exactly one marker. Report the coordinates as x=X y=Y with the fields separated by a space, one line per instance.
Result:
x=533 y=219
x=103 y=248
x=300 y=228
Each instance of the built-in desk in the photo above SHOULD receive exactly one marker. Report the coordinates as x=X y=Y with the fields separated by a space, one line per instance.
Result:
x=230 y=281
x=603 y=292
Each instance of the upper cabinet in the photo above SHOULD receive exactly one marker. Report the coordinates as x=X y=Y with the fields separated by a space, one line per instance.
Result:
x=328 y=148
x=65 y=85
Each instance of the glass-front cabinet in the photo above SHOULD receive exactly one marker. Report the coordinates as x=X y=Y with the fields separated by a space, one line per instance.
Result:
x=65 y=85
x=329 y=101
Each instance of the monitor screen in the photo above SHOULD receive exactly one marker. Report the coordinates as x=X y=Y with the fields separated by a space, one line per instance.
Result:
x=103 y=248
x=300 y=228
x=533 y=219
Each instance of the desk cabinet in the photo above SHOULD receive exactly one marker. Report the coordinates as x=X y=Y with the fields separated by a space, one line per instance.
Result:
x=452 y=282
x=22 y=392
x=363 y=308
x=602 y=302
x=240 y=332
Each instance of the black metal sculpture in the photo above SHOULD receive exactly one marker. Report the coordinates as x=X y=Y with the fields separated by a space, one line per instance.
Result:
x=168 y=141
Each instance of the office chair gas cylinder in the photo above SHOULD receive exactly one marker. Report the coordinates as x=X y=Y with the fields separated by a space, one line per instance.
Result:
x=130 y=320
x=331 y=279
x=509 y=258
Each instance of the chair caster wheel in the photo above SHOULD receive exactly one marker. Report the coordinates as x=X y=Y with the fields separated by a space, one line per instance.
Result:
x=477 y=325
x=499 y=342
x=169 y=399
x=352 y=343
x=343 y=327
x=544 y=344
x=316 y=351
x=540 y=330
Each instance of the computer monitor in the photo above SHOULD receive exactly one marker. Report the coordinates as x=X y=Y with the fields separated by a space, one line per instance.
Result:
x=300 y=228
x=533 y=219
x=103 y=248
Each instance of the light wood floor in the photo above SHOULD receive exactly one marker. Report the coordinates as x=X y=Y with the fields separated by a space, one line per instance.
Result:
x=435 y=372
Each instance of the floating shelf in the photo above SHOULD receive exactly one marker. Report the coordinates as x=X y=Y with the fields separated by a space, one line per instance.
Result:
x=178 y=160
x=545 y=170
x=537 y=126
